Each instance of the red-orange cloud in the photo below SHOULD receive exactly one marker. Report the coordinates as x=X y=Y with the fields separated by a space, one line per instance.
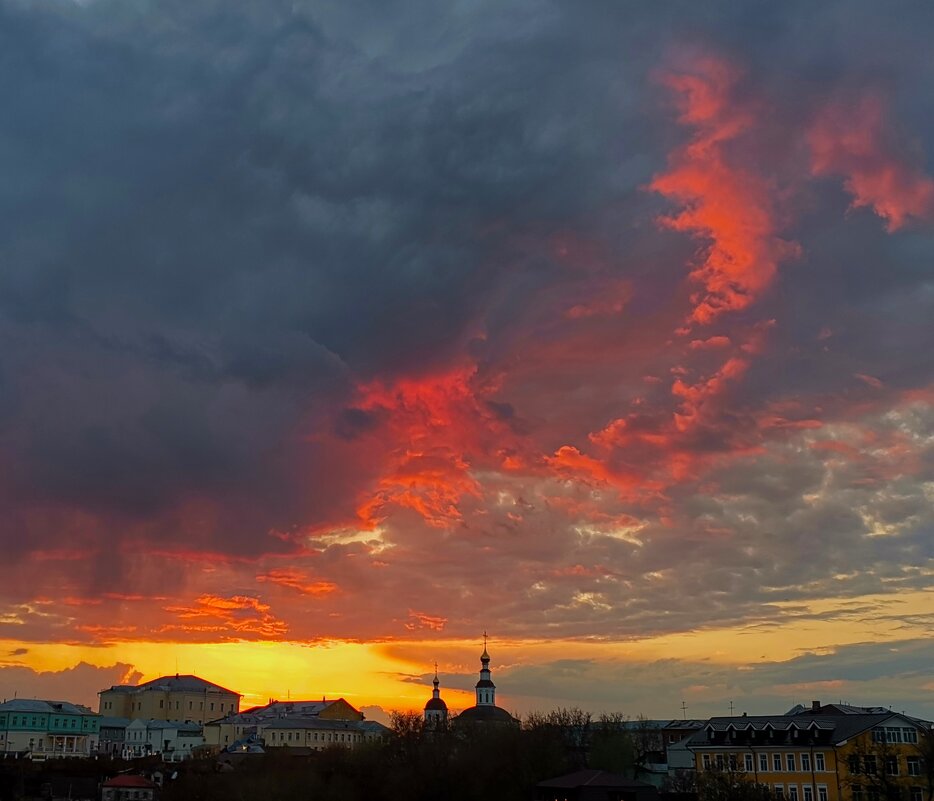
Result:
x=855 y=140
x=438 y=427
x=725 y=204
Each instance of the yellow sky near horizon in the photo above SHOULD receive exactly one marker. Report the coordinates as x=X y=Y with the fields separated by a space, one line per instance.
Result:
x=390 y=674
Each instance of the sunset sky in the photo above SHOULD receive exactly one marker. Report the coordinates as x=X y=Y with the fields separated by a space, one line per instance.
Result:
x=335 y=333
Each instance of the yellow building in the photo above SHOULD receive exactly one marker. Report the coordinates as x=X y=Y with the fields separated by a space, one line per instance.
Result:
x=229 y=729
x=318 y=734
x=826 y=753
x=187 y=699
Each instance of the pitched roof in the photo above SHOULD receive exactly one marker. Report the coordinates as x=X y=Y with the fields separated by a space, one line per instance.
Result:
x=127 y=780
x=593 y=778
x=176 y=683
x=275 y=710
x=841 y=725
x=114 y=723
x=312 y=722
x=44 y=707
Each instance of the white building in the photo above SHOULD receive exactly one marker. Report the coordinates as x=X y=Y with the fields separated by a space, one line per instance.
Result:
x=171 y=740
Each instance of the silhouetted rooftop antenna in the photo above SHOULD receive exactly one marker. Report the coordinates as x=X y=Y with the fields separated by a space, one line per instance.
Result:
x=684 y=709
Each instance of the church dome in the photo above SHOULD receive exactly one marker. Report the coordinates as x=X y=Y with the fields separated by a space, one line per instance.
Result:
x=485 y=714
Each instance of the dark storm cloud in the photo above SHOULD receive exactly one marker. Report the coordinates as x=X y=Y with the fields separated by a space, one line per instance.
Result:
x=210 y=214
x=219 y=220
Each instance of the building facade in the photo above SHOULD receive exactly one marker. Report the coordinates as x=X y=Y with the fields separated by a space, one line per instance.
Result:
x=128 y=788
x=172 y=740
x=48 y=728
x=188 y=699
x=826 y=753
x=231 y=728
x=318 y=733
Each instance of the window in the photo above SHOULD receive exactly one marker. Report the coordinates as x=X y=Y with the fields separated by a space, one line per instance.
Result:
x=821 y=792
x=750 y=765
x=853 y=763
x=779 y=791
x=212 y=706
x=790 y=764
x=891 y=766
x=719 y=761
x=764 y=762
x=858 y=793
x=161 y=704
x=869 y=764
x=910 y=736
x=805 y=762
x=808 y=792
x=792 y=792
x=777 y=763
x=914 y=766
x=732 y=761
x=917 y=794
x=706 y=758
x=819 y=763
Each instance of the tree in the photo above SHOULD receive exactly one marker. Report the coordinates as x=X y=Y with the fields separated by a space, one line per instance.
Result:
x=730 y=785
x=612 y=747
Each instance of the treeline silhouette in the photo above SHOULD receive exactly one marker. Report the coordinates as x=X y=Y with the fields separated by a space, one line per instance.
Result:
x=451 y=763
x=417 y=763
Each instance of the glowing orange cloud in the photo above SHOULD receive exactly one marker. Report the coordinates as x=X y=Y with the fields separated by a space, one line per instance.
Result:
x=237 y=615
x=726 y=204
x=854 y=140
x=296 y=580
x=438 y=426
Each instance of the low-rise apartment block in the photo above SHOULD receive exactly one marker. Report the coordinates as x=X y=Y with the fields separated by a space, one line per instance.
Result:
x=826 y=753
x=47 y=728
x=229 y=729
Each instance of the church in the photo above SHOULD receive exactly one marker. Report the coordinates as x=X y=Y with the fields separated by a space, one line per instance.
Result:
x=485 y=710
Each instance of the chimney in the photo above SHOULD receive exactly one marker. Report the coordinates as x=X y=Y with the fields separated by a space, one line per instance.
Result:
x=815 y=705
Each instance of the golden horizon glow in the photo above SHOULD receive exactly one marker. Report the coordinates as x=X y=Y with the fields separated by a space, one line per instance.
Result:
x=391 y=674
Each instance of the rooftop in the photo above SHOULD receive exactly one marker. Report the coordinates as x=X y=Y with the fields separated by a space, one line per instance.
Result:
x=44 y=707
x=826 y=722
x=129 y=781
x=177 y=683
x=593 y=778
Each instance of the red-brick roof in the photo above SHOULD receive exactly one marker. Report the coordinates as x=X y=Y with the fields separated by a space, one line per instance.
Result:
x=129 y=781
